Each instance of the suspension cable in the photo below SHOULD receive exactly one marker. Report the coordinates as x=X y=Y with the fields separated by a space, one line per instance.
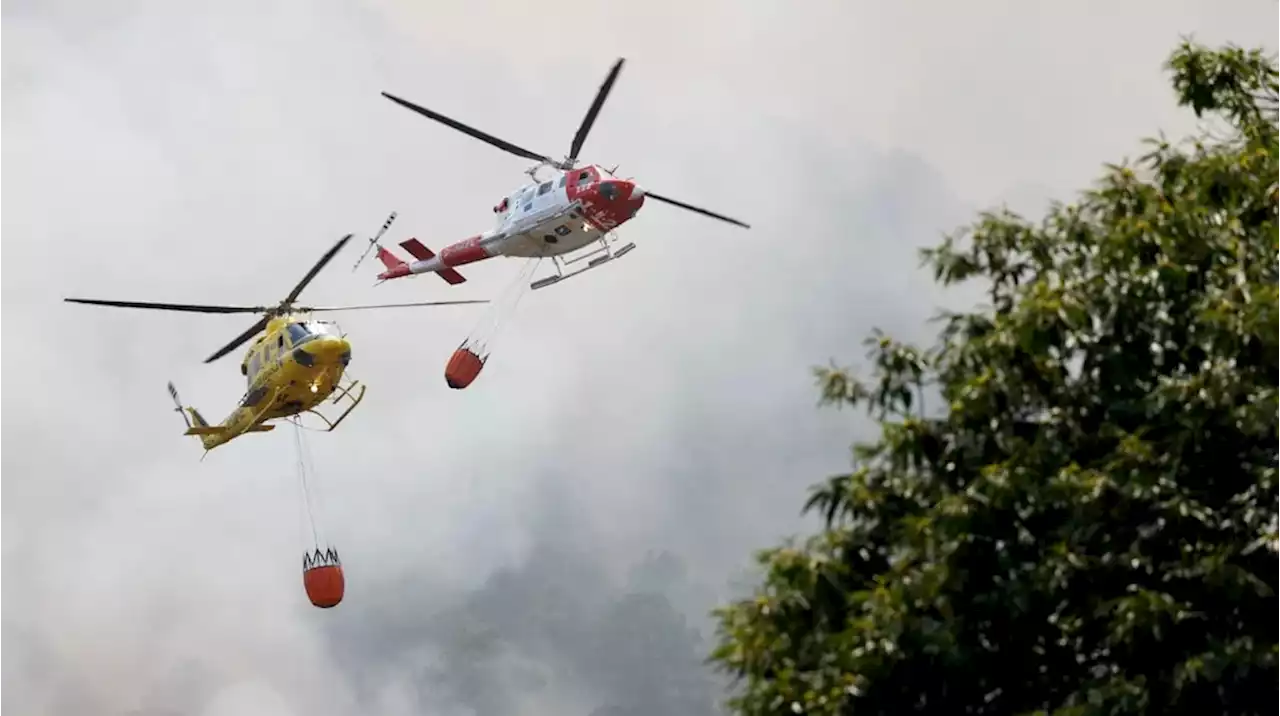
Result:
x=302 y=479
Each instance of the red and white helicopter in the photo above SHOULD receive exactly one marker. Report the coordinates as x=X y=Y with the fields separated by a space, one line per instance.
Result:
x=569 y=211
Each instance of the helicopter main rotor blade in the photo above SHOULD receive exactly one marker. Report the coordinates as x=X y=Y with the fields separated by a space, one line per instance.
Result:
x=311 y=309
x=693 y=208
x=470 y=131
x=240 y=339
x=594 y=111
x=185 y=307
x=293 y=295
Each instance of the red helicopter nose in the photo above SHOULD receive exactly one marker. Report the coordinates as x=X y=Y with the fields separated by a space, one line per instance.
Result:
x=621 y=191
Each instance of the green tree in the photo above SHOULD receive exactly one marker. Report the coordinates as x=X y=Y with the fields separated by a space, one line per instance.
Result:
x=1086 y=522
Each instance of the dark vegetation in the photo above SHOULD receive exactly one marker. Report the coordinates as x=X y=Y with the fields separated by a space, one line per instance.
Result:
x=1070 y=507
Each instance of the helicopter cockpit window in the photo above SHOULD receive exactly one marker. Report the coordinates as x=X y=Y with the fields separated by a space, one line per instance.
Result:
x=298 y=333
x=563 y=177
x=584 y=176
x=546 y=187
x=609 y=190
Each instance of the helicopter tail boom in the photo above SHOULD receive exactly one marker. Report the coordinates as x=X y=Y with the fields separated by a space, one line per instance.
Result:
x=203 y=430
x=210 y=436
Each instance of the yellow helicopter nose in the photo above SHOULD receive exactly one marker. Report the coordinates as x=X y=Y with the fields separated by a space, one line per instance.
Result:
x=323 y=350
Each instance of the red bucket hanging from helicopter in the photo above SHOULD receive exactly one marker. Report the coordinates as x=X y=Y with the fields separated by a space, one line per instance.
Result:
x=322 y=578
x=469 y=359
x=464 y=367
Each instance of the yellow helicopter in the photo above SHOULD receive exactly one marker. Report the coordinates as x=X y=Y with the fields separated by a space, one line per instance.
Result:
x=292 y=367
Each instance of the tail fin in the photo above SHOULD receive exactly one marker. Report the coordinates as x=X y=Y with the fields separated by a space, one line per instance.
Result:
x=389 y=259
x=196 y=424
x=422 y=253
x=395 y=267
x=199 y=420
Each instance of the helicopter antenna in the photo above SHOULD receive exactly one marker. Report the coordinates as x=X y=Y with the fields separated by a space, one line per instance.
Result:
x=374 y=241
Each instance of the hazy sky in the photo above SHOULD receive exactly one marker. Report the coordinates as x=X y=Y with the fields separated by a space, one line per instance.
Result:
x=199 y=152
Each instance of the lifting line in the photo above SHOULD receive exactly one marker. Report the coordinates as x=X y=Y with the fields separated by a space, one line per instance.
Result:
x=485 y=333
x=302 y=449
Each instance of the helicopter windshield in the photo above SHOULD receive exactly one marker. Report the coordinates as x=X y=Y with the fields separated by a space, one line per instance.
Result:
x=298 y=333
x=303 y=332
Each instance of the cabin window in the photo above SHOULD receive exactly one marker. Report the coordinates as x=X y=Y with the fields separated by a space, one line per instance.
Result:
x=563 y=177
x=544 y=188
x=254 y=364
x=585 y=175
x=527 y=207
x=609 y=190
x=280 y=342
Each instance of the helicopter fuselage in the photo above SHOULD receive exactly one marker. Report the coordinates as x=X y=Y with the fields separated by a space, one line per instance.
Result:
x=561 y=215
x=568 y=212
x=291 y=369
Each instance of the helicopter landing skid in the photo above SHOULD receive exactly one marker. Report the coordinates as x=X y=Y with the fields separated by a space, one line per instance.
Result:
x=602 y=256
x=351 y=390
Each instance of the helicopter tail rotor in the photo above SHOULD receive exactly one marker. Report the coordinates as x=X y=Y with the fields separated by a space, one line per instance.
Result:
x=373 y=242
x=177 y=404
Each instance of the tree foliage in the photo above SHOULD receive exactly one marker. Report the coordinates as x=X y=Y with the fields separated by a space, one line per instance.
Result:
x=1087 y=524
